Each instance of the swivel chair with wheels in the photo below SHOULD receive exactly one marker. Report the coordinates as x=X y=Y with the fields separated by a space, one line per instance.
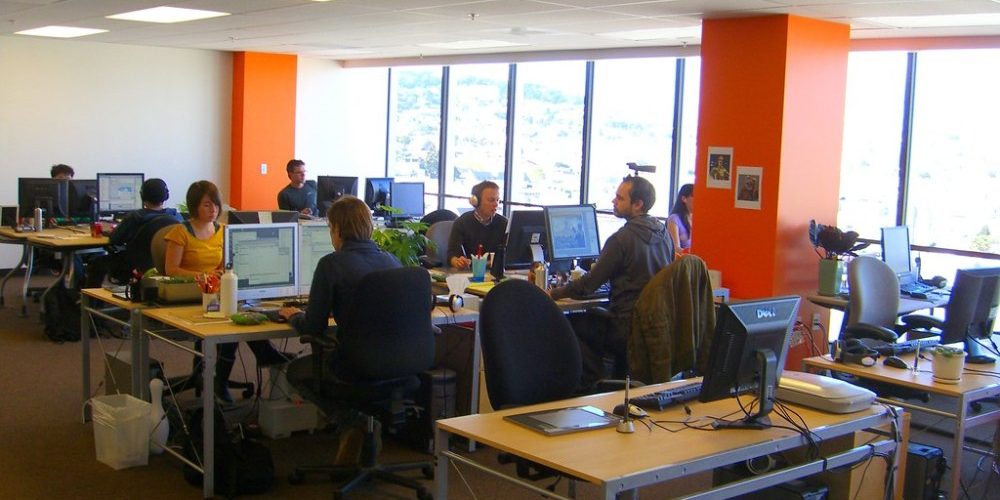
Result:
x=439 y=232
x=384 y=341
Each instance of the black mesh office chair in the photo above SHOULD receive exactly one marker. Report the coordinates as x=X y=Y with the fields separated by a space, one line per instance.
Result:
x=440 y=215
x=138 y=252
x=383 y=343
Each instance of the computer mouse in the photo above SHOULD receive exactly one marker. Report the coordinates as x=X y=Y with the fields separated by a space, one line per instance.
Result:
x=918 y=295
x=895 y=362
x=633 y=411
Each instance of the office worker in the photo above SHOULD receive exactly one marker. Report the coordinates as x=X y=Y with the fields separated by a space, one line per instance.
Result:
x=679 y=222
x=195 y=248
x=481 y=226
x=60 y=171
x=630 y=258
x=297 y=195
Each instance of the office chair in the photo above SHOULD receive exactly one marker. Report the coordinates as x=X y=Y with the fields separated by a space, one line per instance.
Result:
x=384 y=341
x=673 y=323
x=158 y=249
x=439 y=233
x=440 y=215
x=139 y=251
x=873 y=306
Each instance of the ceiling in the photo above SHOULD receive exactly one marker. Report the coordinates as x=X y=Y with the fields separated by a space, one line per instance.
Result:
x=377 y=29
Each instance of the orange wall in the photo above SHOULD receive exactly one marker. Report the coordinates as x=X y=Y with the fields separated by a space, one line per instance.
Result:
x=264 y=87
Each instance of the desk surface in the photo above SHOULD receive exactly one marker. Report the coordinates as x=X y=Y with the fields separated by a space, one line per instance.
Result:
x=64 y=238
x=603 y=456
x=108 y=297
x=907 y=305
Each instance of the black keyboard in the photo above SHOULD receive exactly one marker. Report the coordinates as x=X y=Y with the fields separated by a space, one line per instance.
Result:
x=668 y=397
x=896 y=348
x=602 y=292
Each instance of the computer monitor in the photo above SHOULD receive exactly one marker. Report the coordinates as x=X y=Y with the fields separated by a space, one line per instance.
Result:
x=261 y=216
x=118 y=194
x=748 y=353
x=264 y=257
x=9 y=216
x=314 y=244
x=82 y=196
x=51 y=195
x=571 y=232
x=525 y=238
x=972 y=311
x=896 y=253
x=408 y=197
x=378 y=191
x=329 y=189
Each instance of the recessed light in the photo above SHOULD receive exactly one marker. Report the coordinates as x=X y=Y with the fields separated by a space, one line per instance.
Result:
x=471 y=44
x=60 y=31
x=945 y=21
x=655 y=34
x=167 y=15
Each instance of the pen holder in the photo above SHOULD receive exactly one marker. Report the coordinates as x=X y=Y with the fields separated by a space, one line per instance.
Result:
x=209 y=302
x=478 y=269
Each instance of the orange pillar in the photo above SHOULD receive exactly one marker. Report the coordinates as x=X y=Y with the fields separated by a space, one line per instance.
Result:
x=263 y=127
x=772 y=88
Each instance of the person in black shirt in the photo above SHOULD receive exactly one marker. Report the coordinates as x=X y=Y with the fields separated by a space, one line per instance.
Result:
x=298 y=195
x=482 y=226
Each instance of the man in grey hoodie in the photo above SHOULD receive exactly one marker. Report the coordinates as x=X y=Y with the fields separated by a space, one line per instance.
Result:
x=630 y=258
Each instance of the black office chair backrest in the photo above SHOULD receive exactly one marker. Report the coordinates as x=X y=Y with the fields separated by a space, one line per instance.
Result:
x=874 y=296
x=438 y=216
x=387 y=331
x=137 y=251
x=530 y=352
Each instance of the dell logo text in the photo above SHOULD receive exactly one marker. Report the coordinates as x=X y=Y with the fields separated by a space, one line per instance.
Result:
x=766 y=313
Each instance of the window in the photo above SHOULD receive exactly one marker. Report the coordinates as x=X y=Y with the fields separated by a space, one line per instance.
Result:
x=873 y=121
x=954 y=177
x=632 y=122
x=548 y=133
x=689 y=121
x=415 y=127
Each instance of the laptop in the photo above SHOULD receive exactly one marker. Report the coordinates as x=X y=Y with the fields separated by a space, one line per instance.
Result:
x=896 y=254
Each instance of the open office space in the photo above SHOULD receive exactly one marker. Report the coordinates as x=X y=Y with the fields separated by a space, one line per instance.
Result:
x=781 y=91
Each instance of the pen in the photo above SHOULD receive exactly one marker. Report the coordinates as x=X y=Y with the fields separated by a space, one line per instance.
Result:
x=916 y=360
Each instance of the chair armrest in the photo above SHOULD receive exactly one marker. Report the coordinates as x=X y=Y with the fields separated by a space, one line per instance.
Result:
x=322 y=342
x=865 y=330
x=912 y=321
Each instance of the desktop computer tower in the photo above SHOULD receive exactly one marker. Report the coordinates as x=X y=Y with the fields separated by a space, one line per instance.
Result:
x=925 y=466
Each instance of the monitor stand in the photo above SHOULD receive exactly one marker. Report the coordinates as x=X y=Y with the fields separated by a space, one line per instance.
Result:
x=767 y=367
x=976 y=353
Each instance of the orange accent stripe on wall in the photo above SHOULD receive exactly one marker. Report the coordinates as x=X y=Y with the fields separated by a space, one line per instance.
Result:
x=263 y=127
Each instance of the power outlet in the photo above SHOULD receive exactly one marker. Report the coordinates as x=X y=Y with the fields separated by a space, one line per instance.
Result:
x=816 y=322
x=263 y=169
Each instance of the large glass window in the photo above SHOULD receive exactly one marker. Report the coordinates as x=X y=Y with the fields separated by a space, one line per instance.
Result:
x=954 y=193
x=415 y=127
x=689 y=121
x=873 y=121
x=548 y=133
x=477 y=128
x=632 y=122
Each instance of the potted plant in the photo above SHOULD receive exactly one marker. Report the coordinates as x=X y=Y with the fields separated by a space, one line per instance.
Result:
x=407 y=242
x=948 y=364
x=836 y=246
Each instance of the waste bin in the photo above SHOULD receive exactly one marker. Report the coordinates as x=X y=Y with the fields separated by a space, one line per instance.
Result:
x=121 y=430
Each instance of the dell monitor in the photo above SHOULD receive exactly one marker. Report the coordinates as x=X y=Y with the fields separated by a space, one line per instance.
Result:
x=329 y=189
x=571 y=234
x=748 y=353
x=409 y=198
x=82 y=196
x=118 y=194
x=264 y=258
x=896 y=253
x=314 y=244
x=972 y=311
x=261 y=217
x=51 y=195
x=525 y=239
x=378 y=191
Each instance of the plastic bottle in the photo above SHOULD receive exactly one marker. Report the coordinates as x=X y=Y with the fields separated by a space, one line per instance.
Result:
x=228 y=303
x=39 y=220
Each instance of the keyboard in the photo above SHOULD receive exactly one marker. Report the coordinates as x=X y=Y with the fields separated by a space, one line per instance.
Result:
x=601 y=292
x=668 y=397
x=915 y=288
x=896 y=348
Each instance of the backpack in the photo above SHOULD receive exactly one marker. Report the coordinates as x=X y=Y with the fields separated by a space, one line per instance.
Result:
x=62 y=313
x=243 y=466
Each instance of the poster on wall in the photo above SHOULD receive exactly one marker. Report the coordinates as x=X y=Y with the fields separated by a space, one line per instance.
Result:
x=720 y=164
x=748 y=186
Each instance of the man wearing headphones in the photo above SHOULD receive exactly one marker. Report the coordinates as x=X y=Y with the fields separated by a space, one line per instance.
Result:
x=482 y=226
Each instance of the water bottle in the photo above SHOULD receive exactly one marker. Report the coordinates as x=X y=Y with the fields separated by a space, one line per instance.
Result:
x=39 y=220
x=227 y=296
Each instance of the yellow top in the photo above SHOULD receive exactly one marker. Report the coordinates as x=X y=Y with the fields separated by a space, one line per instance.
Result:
x=199 y=255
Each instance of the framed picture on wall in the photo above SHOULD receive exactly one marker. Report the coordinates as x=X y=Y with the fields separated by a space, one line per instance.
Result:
x=748 y=187
x=720 y=164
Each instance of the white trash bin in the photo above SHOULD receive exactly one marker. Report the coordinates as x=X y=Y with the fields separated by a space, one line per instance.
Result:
x=121 y=430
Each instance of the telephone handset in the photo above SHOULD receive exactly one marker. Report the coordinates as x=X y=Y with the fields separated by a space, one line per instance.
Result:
x=868 y=331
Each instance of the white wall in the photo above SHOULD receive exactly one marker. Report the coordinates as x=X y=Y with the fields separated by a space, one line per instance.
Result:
x=112 y=108
x=340 y=119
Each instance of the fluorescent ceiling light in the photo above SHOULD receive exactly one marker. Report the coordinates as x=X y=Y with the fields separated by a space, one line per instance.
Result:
x=60 y=31
x=944 y=21
x=655 y=34
x=471 y=44
x=167 y=15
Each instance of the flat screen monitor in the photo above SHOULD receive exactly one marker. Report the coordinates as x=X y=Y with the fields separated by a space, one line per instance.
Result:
x=329 y=189
x=525 y=228
x=572 y=232
x=314 y=244
x=748 y=353
x=82 y=196
x=264 y=258
x=9 y=216
x=51 y=195
x=261 y=216
x=408 y=197
x=119 y=193
x=378 y=191
x=972 y=312
x=896 y=252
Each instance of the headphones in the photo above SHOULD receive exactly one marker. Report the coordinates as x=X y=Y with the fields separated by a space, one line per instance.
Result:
x=477 y=192
x=853 y=351
x=455 y=302
x=937 y=281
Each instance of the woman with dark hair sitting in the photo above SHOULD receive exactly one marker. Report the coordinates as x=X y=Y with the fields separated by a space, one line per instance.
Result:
x=679 y=222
